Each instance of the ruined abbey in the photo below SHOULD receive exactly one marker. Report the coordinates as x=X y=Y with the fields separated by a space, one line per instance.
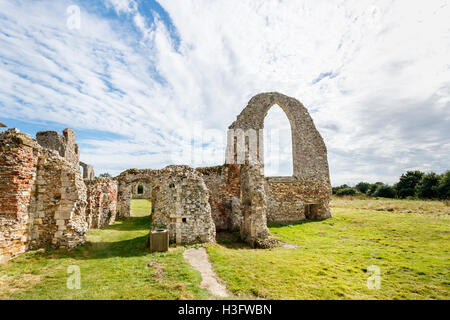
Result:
x=48 y=198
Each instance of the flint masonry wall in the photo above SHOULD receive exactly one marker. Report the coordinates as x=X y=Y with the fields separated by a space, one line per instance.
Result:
x=180 y=202
x=146 y=190
x=224 y=185
x=58 y=210
x=287 y=197
x=101 y=209
x=64 y=145
x=254 y=206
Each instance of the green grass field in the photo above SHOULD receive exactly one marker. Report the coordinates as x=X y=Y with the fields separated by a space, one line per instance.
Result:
x=407 y=240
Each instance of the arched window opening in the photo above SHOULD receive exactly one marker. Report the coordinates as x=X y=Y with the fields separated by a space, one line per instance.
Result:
x=140 y=189
x=277 y=143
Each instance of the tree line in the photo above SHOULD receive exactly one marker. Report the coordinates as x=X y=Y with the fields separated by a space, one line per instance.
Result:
x=412 y=185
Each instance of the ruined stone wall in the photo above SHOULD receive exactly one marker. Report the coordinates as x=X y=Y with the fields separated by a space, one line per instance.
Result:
x=42 y=196
x=18 y=161
x=224 y=185
x=58 y=217
x=287 y=198
x=88 y=172
x=180 y=202
x=101 y=208
x=310 y=184
x=64 y=145
x=254 y=205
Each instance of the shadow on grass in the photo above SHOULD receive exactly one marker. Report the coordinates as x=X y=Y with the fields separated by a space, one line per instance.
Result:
x=231 y=240
x=135 y=247
x=287 y=224
x=130 y=224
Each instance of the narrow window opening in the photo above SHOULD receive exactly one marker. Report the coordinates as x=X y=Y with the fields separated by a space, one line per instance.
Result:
x=140 y=189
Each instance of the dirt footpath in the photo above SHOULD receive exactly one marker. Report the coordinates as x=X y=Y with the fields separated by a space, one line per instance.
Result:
x=198 y=258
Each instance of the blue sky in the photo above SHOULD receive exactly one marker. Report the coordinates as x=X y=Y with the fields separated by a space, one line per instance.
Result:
x=151 y=83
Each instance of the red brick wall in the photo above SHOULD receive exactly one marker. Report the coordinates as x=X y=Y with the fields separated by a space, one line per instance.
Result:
x=18 y=160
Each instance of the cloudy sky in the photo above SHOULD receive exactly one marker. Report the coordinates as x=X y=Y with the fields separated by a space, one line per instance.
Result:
x=148 y=83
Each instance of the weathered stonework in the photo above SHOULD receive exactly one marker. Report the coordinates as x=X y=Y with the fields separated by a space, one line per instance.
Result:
x=307 y=193
x=146 y=190
x=18 y=161
x=42 y=197
x=253 y=204
x=101 y=208
x=224 y=185
x=58 y=210
x=180 y=202
x=88 y=171
x=64 y=145
x=288 y=198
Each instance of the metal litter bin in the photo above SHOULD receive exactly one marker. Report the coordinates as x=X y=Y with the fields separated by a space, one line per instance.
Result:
x=159 y=240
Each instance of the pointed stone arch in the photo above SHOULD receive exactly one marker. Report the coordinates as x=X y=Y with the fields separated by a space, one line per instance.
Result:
x=305 y=195
x=308 y=148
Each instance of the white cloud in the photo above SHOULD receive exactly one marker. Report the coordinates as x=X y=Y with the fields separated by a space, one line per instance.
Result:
x=374 y=75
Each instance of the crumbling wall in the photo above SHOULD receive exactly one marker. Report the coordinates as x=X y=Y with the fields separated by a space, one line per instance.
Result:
x=64 y=145
x=88 y=172
x=254 y=205
x=288 y=198
x=101 y=208
x=42 y=194
x=18 y=161
x=224 y=185
x=58 y=217
x=180 y=202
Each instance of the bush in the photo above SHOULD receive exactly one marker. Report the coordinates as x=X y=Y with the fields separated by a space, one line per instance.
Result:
x=406 y=186
x=427 y=188
x=363 y=187
x=335 y=189
x=346 y=192
x=385 y=191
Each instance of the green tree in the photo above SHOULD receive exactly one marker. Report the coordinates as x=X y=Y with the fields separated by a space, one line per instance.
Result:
x=335 y=189
x=105 y=175
x=444 y=186
x=385 y=191
x=427 y=188
x=363 y=187
x=373 y=187
x=406 y=186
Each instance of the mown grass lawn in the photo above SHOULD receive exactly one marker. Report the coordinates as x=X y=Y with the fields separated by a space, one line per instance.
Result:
x=410 y=245
x=411 y=249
